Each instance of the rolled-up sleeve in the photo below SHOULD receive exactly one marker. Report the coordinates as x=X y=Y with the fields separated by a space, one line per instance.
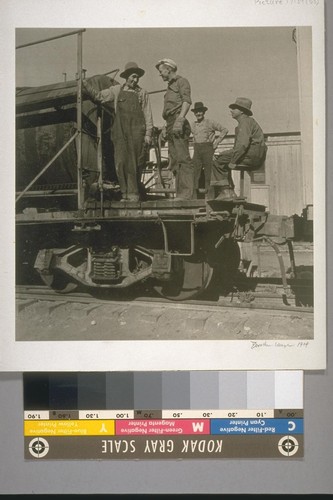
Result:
x=146 y=108
x=99 y=96
x=218 y=132
x=184 y=88
x=218 y=127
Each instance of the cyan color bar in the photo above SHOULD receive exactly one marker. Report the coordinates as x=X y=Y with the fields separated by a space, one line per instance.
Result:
x=257 y=426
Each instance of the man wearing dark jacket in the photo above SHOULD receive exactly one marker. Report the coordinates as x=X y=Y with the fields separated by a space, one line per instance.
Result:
x=249 y=148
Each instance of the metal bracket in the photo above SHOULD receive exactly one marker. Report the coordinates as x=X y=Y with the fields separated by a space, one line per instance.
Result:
x=166 y=240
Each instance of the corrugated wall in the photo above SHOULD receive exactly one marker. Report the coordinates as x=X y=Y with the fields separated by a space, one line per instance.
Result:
x=284 y=175
x=280 y=185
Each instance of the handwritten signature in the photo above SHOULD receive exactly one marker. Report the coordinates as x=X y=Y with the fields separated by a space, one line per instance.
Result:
x=287 y=2
x=298 y=345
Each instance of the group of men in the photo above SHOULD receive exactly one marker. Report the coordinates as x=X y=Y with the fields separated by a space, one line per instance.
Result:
x=133 y=127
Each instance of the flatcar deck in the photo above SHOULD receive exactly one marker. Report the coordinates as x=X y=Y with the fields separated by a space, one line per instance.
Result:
x=185 y=209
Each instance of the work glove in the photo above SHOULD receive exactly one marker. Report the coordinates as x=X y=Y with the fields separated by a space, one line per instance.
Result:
x=178 y=127
x=164 y=134
x=148 y=140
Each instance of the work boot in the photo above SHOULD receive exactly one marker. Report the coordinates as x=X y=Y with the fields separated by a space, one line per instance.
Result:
x=133 y=197
x=210 y=195
x=226 y=193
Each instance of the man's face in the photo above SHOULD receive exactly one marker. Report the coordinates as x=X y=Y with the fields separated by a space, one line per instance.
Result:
x=199 y=115
x=235 y=113
x=165 y=72
x=132 y=80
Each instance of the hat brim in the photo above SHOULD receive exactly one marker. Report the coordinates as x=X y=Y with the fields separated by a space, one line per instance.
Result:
x=130 y=71
x=199 y=109
x=244 y=110
x=172 y=66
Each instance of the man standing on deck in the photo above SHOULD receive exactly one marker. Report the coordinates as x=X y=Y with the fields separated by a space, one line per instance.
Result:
x=177 y=102
x=132 y=128
x=207 y=135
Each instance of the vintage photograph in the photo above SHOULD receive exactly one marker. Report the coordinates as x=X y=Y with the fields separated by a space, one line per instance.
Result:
x=164 y=186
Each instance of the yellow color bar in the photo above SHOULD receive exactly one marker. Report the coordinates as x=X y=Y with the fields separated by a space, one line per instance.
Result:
x=69 y=428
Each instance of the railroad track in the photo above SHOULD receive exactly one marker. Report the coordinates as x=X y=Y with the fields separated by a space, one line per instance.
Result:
x=42 y=314
x=266 y=296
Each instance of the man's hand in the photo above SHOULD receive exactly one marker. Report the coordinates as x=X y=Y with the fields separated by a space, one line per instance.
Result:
x=164 y=134
x=148 y=140
x=178 y=126
x=232 y=166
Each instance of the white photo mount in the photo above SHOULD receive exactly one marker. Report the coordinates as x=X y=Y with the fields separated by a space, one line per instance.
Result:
x=101 y=355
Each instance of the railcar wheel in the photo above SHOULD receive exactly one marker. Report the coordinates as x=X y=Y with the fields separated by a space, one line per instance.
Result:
x=191 y=279
x=59 y=282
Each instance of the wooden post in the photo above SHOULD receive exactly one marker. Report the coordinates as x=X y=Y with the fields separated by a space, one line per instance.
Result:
x=80 y=186
x=304 y=63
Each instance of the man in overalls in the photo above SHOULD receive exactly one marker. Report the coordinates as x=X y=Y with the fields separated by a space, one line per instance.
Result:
x=132 y=127
x=177 y=102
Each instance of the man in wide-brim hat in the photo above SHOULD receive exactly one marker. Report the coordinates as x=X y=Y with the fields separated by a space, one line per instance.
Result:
x=242 y=104
x=130 y=69
x=249 y=148
x=132 y=128
x=207 y=135
x=199 y=107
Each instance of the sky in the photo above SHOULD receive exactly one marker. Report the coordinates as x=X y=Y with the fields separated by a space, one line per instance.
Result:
x=221 y=63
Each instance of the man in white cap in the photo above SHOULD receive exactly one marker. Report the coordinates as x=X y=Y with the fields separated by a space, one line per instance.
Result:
x=177 y=102
x=132 y=128
x=249 y=148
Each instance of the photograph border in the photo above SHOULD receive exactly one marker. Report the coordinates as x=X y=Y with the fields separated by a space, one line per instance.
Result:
x=155 y=355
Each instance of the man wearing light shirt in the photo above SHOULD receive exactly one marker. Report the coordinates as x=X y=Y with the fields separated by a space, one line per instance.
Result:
x=177 y=102
x=207 y=135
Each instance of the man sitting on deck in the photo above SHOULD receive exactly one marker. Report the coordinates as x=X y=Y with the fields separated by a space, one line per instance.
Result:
x=249 y=149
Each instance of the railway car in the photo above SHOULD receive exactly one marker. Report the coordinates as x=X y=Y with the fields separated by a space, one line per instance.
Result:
x=73 y=232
